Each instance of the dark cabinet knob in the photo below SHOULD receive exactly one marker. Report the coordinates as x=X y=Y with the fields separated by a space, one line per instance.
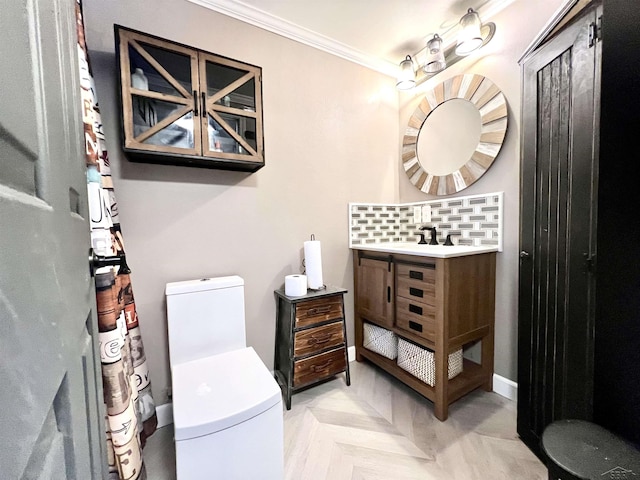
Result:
x=524 y=254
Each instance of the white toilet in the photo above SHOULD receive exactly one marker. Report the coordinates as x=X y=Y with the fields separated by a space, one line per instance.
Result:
x=227 y=407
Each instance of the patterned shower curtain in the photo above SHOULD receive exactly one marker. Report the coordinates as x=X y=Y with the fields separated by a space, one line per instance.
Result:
x=130 y=410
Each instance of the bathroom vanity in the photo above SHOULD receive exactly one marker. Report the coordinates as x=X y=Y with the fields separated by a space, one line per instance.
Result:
x=311 y=339
x=439 y=298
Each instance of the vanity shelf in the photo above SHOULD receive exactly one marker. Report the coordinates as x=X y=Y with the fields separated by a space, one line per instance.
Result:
x=442 y=304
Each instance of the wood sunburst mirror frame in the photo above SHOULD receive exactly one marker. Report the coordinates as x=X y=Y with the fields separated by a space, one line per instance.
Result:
x=492 y=107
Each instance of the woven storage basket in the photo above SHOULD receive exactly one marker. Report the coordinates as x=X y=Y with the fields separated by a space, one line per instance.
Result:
x=420 y=362
x=379 y=340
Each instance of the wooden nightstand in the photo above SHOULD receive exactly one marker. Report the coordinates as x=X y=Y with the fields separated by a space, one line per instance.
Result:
x=311 y=339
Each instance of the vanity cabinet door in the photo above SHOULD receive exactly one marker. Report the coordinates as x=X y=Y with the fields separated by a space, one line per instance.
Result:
x=374 y=290
x=159 y=83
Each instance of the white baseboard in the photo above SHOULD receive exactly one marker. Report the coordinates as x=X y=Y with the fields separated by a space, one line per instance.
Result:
x=164 y=413
x=351 y=353
x=505 y=387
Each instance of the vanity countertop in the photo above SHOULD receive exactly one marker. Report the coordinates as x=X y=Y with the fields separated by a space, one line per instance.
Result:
x=438 y=251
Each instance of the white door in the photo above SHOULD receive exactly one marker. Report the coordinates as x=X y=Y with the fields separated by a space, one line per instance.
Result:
x=51 y=417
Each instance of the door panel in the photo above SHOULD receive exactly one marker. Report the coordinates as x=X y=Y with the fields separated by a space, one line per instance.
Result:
x=160 y=94
x=375 y=290
x=231 y=91
x=558 y=175
x=51 y=419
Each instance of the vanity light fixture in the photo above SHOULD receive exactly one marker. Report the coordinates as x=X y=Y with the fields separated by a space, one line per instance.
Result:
x=471 y=35
x=435 y=56
x=407 y=75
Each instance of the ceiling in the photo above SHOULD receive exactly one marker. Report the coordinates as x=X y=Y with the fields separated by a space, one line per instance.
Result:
x=375 y=33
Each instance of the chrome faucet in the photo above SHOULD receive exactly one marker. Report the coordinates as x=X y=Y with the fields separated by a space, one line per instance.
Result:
x=434 y=237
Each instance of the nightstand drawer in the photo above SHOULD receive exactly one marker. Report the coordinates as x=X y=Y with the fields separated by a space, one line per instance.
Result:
x=319 y=338
x=319 y=367
x=319 y=310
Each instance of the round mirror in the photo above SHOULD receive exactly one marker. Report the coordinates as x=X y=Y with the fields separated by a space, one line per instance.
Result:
x=442 y=149
x=455 y=134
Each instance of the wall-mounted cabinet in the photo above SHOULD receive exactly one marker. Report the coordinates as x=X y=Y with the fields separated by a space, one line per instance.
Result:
x=185 y=106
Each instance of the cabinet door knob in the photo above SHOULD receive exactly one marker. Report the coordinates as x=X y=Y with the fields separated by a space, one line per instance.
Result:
x=524 y=254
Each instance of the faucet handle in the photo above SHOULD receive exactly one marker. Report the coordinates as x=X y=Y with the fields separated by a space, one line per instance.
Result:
x=423 y=241
x=448 y=241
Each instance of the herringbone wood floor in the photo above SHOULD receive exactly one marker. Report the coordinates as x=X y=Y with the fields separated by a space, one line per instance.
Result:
x=379 y=429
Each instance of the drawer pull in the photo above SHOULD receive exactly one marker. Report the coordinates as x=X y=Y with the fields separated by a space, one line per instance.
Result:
x=415 y=309
x=318 y=310
x=415 y=326
x=316 y=340
x=416 y=292
x=416 y=275
x=322 y=366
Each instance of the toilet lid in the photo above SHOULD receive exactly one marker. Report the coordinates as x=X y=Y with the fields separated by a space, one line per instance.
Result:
x=220 y=391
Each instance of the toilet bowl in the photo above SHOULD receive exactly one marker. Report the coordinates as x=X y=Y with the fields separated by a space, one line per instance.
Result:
x=227 y=407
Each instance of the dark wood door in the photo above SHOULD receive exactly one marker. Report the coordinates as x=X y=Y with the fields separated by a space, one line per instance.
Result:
x=557 y=233
x=51 y=415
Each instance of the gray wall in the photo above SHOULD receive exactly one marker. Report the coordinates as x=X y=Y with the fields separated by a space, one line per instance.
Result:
x=330 y=131
x=332 y=136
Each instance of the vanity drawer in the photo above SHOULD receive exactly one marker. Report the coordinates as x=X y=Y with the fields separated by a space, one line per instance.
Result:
x=417 y=291
x=315 y=339
x=318 y=367
x=416 y=275
x=416 y=317
x=318 y=310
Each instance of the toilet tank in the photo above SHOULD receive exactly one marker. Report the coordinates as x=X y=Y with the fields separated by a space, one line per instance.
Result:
x=205 y=317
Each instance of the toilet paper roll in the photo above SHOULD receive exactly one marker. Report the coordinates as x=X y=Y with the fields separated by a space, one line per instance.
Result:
x=295 y=285
x=313 y=264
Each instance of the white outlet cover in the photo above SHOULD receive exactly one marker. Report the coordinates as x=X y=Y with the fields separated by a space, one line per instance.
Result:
x=426 y=213
x=417 y=214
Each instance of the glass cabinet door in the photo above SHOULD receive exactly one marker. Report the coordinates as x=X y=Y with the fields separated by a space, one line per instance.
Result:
x=231 y=124
x=160 y=95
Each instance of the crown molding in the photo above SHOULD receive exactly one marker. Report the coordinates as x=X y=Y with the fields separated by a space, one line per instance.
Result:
x=261 y=19
x=279 y=26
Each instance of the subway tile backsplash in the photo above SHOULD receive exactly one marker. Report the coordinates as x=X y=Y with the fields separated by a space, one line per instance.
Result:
x=474 y=220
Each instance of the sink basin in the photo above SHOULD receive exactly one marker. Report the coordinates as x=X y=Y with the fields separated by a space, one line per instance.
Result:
x=438 y=251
